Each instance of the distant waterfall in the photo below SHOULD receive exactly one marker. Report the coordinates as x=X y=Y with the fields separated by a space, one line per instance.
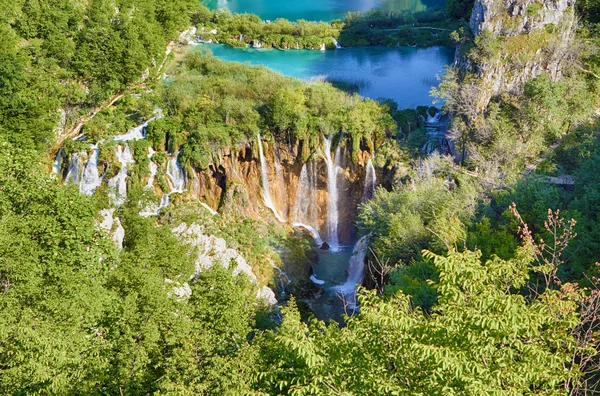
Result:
x=153 y=169
x=90 y=179
x=355 y=271
x=74 y=169
x=332 y=189
x=118 y=184
x=176 y=175
x=337 y=45
x=370 y=181
x=57 y=166
x=265 y=181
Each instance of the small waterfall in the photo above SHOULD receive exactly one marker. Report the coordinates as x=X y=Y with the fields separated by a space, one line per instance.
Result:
x=323 y=48
x=118 y=184
x=355 y=271
x=139 y=132
x=241 y=38
x=74 y=169
x=153 y=169
x=435 y=119
x=332 y=204
x=176 y=176
x=57 y=166
x=265 y=181
x=90 y=179
x=370 y=180
x=337 y=45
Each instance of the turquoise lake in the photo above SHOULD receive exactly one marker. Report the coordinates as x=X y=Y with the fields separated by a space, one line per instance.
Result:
x=404 y=74
x=318 y=10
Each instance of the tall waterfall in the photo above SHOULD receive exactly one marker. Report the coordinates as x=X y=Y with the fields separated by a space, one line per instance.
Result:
x=370 y=181
x=265 y=181
x=280 y=182
x=305 y=209
x=332 y=189
x=118 y=184
x=355 y=272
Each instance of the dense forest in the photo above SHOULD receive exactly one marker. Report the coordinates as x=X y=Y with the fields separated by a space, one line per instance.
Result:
x=481 y=275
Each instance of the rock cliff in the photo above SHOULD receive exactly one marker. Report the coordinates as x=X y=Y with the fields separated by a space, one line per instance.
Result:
x=516 y=40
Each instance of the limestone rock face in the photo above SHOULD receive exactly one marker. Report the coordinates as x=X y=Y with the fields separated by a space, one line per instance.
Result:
x=232 y=184
x=214 y=251
x=524 y=15
x=522 y=38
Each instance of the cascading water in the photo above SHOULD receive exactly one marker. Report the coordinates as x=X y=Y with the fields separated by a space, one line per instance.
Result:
x=355 y=271
x=265 y=181
x=370 y=181
x=305 y=213
x=118 y=184
x=57 y=166
x=153 y=169
x=337 y=45
x=332 y=190
x=280 y=182
x=176 y=176
x=90 y=179
x=74 y=169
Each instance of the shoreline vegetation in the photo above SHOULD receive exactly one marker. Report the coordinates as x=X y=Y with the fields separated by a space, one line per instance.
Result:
x=357 y=29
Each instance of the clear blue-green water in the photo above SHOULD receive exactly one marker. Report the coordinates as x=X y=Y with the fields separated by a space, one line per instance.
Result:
x=318 y=10
x=404 y=74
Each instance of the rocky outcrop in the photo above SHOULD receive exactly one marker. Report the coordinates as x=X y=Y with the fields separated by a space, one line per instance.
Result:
x=513 y=17
x=214 y=251
x=516 y=40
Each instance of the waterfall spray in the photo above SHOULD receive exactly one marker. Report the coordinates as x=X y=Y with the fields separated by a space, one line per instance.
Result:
x=332 y=204
x=370 y=180
x=90 y=180
x=265 y=181
x=118 y=184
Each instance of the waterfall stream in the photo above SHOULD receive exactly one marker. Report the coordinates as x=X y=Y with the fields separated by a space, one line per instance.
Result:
x=332 y=190
x=355 y=271
x=153 y=169
x=265 y=181
x=118 y=184
x=90 y=179
x=370 y=181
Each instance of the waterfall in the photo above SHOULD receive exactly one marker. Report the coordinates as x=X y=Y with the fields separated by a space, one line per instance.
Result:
x=118 y=184
x=355 y=272
x=323 y=48
x=337 y=45
x=74 y=167
x=90 y=180
x=265 y=181
x=332 y=190
x=305 y=212
x=153 y=169
x=370 y=180
x=241 y=38
x=280 y=182
x=56 y=167
x=176 y=176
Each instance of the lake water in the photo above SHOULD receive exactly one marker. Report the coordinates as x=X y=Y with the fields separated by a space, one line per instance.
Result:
x=404 y=74
x=318 y=10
